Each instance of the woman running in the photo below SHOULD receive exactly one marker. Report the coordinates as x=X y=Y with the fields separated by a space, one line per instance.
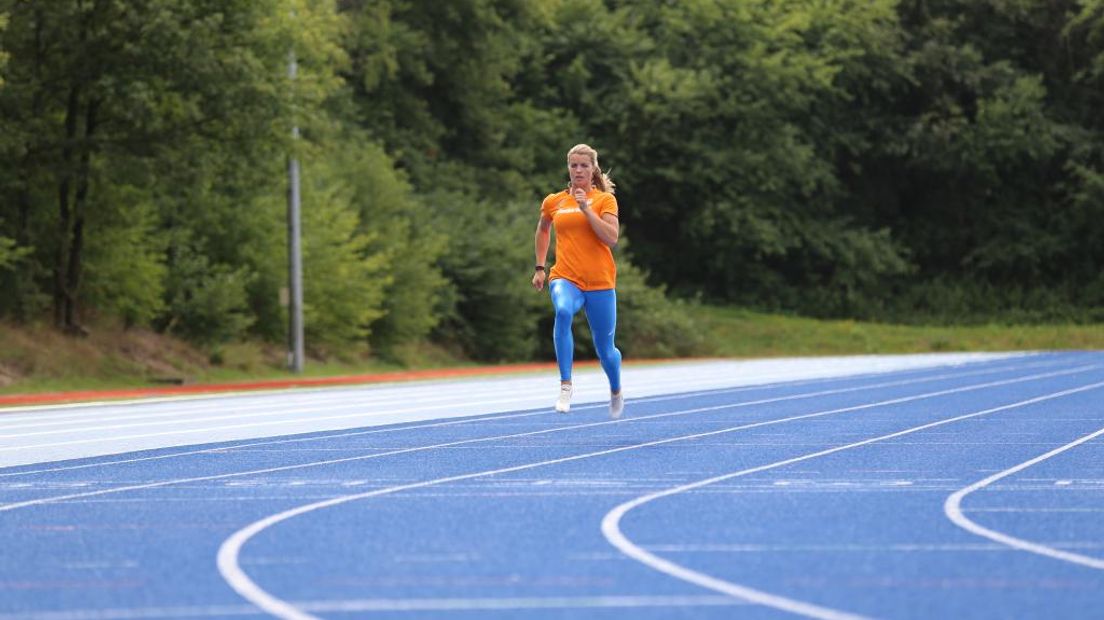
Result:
x=584 y=276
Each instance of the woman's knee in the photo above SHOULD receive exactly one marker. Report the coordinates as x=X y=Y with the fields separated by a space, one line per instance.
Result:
x=564 y=315
x=607 y=353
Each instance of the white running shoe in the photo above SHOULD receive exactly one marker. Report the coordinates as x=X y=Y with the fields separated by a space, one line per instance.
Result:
x=563 y=403
x=617 y=405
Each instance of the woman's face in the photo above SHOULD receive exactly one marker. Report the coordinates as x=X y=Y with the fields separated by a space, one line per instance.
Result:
x=580 y=170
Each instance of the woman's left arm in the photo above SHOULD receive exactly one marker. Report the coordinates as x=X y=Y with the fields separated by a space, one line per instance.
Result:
x=607 y=227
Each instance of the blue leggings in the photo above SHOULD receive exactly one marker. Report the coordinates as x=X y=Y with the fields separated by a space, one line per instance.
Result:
x=601 y=313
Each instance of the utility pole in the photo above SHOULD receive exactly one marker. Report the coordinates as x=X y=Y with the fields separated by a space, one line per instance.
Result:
x=295 y=251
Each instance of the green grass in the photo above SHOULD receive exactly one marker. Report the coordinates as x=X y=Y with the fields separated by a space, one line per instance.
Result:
x=36 y=359
x=740 y=333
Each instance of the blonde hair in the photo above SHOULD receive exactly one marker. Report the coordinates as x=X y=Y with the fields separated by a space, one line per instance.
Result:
x=599 y=179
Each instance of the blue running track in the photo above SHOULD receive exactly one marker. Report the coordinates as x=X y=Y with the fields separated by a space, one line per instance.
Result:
x=973 y=491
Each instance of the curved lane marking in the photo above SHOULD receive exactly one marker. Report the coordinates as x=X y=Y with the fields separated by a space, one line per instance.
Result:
x=953 y=509
x=230 y=550
x=611 y=524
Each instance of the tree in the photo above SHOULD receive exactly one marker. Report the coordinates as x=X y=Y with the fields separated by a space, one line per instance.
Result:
x=99 y=83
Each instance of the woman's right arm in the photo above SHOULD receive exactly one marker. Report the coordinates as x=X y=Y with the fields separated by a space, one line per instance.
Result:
x=540 y=250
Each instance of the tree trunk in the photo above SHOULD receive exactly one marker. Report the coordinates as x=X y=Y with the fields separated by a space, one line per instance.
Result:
x=65 y=216
x=80 y=201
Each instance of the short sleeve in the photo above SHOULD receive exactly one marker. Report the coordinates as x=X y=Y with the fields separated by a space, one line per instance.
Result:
x=608 y=205
x=546 y=206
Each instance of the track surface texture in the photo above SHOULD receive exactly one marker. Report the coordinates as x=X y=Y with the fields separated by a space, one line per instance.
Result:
x=883 y=487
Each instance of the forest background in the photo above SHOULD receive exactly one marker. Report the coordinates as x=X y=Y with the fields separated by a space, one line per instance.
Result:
x=936 y=162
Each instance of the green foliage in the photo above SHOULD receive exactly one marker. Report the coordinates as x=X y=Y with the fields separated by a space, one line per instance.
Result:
x=947 y=301
x=11 y=253
x=1085 y=31
x=343 y=279
x=398 y=230
x=134 y=87
x=206 y=303
x=707 y=110
x=933 y=160
x=3 y=54
x=649 y=324
x=434 y=79
x=1085 y=221
x=489 y=310
x=413 y=298
x=125 y=257
x=8 y=253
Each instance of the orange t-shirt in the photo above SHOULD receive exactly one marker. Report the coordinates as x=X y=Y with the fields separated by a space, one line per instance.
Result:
x=581 y=257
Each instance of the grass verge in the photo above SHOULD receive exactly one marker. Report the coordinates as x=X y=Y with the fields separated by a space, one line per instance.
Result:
x=37 y=359
x=741 y=333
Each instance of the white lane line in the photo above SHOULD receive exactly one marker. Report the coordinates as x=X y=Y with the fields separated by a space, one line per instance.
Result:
x=378 y=605
x=763 y=369
x=495 y=416
x=558 y=429
x=371 y=396
x=285 y=403
x=952 y=507
x=241 y=446
x=367 y=395
x=1037 y=510
x=271 y=405
x=566 y=602
x=271 y=412
x=366 y=416
x=499 y=416
x=881 y=548
x=237 y=579
x=138 y=613
x=304 y=410
x=611 y=524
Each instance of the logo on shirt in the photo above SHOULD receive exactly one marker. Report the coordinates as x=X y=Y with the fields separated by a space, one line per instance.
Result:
x=570 y=206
